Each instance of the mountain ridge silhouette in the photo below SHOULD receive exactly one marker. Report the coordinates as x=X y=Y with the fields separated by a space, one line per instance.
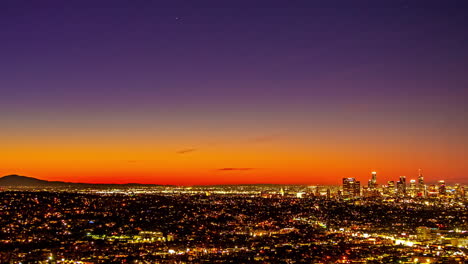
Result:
x=19 y=180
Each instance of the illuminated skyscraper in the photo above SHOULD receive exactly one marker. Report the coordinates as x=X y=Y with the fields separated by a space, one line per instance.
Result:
x=458 y=191
x=421 y=187
x=420 y=179
x=401 y=185
x=442 y=189
x=403 y=180
x=462 y=192
x=357 y=188
x=432 y=191
x=391 y=187
x=373 y=181
x=351 y=188
x=412 y=188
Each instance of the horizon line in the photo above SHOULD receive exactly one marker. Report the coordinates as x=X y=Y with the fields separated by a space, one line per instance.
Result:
x=196 y=185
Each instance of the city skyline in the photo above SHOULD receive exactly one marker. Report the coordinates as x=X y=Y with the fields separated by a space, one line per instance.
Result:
x=373 y=182
x=229 y=92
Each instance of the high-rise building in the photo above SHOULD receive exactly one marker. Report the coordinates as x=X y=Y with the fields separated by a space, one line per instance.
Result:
x=401 y=185
x=403 y=180
x=432 y=191
x=421 y=187
x=457 y=190
x=373 y=181
x=399 y=188
x=412 y=188
x=351 y=188
x=420 y=179
x=357 y=189
x=390 y=188
x=347 y=186
x=442 y=189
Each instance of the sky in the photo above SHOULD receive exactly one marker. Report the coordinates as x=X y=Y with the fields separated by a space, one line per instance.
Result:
x=231 y=92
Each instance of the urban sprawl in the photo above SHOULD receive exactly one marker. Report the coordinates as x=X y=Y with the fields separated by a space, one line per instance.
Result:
x=396 y=222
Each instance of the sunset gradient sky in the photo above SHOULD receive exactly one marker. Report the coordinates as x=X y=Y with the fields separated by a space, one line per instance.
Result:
x=217 y=92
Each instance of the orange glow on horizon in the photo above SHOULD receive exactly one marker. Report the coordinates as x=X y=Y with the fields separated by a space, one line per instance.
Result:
x=302 y=159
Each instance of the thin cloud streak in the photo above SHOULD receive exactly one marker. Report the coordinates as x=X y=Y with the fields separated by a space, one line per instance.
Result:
x=235 y=169
x=186 y=151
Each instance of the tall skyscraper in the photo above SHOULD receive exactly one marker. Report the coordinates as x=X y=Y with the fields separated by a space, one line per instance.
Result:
x=432 y=191
x=351 y=188
x=373 y=181
x=412 y=188
x=420 y=178
x=458 y=190
x=401 y=185
x=442 y=189
x=357 y=189
x=421 y=186
x=391 y=187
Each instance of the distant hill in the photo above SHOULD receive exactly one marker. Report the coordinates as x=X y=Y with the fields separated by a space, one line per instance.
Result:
x=18 y=180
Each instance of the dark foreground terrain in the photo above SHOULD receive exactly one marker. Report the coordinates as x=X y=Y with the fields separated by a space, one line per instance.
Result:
x=126 y=227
